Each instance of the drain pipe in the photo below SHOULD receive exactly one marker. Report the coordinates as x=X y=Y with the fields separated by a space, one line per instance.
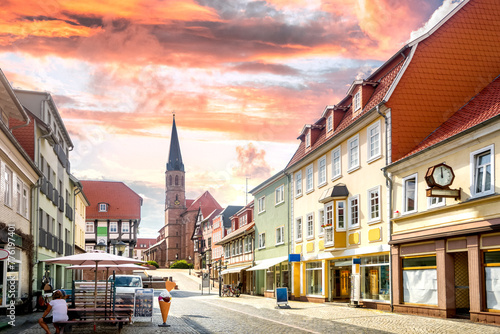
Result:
x=389 y=201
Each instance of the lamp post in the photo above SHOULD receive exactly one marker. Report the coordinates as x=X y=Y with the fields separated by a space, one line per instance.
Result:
x=219 y=268
x=120 y=247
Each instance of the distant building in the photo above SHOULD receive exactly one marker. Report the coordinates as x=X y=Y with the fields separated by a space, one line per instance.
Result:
x=141 y=246
x=113 y=216
x=47 y=142
x=174 y=242
x=18 y=176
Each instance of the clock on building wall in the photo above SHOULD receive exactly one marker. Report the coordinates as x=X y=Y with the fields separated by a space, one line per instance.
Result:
x=439 y=179
x=177 y=202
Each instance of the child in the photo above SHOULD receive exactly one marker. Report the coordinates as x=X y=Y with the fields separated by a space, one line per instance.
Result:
x=59 y=310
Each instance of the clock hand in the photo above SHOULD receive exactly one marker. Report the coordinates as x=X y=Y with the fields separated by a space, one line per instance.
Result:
x=441 y=172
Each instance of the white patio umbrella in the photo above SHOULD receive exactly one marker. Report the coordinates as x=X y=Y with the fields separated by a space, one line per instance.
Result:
x=95 y=259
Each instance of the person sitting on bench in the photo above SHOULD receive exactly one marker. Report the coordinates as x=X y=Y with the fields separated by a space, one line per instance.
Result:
x=59 y=310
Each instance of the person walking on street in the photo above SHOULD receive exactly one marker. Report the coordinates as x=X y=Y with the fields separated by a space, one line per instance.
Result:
x=59 y=310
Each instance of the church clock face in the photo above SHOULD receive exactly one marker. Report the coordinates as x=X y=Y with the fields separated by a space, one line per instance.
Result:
x=177 y=202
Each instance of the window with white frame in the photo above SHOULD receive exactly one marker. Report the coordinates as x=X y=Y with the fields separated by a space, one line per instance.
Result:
x=298 y=228
x=309 y=178
x=7 y=199
x=125 y=227
x=89 y=249
x=322 y=171
x=321 y=221
x=262 y=204
x=329 y=123
x=18 y=196
x=298 y=183
x=310 y=226
x=340 y=215
x=262 y=240
x=435 y=202
x=279 y=194
x=374 y=204
x=483 y=173
x=353 y=153
x=113 y=227
x=308 y=139
x=227 y=251
x=357 y=101
x=410 y=194
x=336 y=163
x=25 y=205
x=241 y=246
x=89 y=227
x=354 y=211
x=280 y=235
x=373 y=138
x=103 y=207
x=329 y=224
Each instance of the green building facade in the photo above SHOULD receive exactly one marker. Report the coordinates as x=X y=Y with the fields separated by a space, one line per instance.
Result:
x=271 y=212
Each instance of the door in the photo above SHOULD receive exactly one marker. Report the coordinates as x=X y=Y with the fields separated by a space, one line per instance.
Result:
x=345 y=290
x=462 y=304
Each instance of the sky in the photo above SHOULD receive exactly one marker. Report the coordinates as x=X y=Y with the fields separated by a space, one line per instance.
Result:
x=242 y=77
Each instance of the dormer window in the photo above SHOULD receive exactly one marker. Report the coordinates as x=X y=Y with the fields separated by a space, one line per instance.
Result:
x=329 y=123
x=357 y=101
x=103 y=207
x=308 y=139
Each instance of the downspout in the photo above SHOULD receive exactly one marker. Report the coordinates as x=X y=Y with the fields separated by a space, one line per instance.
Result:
x=28 y=121
x=288 y=226
x=389 y=197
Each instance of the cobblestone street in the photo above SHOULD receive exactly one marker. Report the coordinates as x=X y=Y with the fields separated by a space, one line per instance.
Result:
x=192 y=312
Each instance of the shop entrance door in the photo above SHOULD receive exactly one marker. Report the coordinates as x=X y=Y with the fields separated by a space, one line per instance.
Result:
x=345 y=282
x=462 y=304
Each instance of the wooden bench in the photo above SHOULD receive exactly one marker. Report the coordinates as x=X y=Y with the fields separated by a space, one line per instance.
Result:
x=63 y=325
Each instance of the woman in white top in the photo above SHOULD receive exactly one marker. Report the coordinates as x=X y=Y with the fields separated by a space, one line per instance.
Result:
x=59 y=310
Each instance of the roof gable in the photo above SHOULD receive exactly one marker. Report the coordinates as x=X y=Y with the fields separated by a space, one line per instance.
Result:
x=123 y=202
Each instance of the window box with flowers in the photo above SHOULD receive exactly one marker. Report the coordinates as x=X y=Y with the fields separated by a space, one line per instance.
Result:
x=326 y=225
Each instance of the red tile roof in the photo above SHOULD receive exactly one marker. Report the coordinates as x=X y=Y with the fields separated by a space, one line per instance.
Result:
x=207 y=203
x=385 y=78
x=481 y=108
x=448 y=68
x=237 y=233
x=123 y=202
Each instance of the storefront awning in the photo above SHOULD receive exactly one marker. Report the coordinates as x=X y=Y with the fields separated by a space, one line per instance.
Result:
x=233 y=270
x=268 y=263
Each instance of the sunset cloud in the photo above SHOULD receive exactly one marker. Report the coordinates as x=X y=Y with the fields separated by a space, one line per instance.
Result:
x=242 y=76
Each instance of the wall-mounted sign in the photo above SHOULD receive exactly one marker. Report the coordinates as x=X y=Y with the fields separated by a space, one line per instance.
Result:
x=293 y=257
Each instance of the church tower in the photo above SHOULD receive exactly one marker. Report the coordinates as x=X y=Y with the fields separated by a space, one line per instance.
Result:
x=175 y=199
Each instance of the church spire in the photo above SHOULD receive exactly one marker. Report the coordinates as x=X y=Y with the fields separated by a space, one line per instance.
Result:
x=174 y=156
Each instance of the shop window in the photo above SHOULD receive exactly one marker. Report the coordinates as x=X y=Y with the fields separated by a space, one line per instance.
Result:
x=375 y=277
x=270 y=279
x=420 y=280
x=12 y=287
x=492 y=279
x=314 y=271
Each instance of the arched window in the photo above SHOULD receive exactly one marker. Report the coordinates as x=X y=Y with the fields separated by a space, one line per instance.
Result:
x=170 y=180
x=182 y=180
x=177 y=180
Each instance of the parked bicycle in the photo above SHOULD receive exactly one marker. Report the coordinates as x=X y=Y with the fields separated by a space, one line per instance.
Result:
x=228 y=291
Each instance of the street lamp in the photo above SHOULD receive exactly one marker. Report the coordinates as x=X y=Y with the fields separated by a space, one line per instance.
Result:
x=219 y=268
x=101 y=246
x=120 y=247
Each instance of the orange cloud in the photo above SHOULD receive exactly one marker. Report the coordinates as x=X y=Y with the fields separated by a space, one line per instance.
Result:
x=251 y=162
